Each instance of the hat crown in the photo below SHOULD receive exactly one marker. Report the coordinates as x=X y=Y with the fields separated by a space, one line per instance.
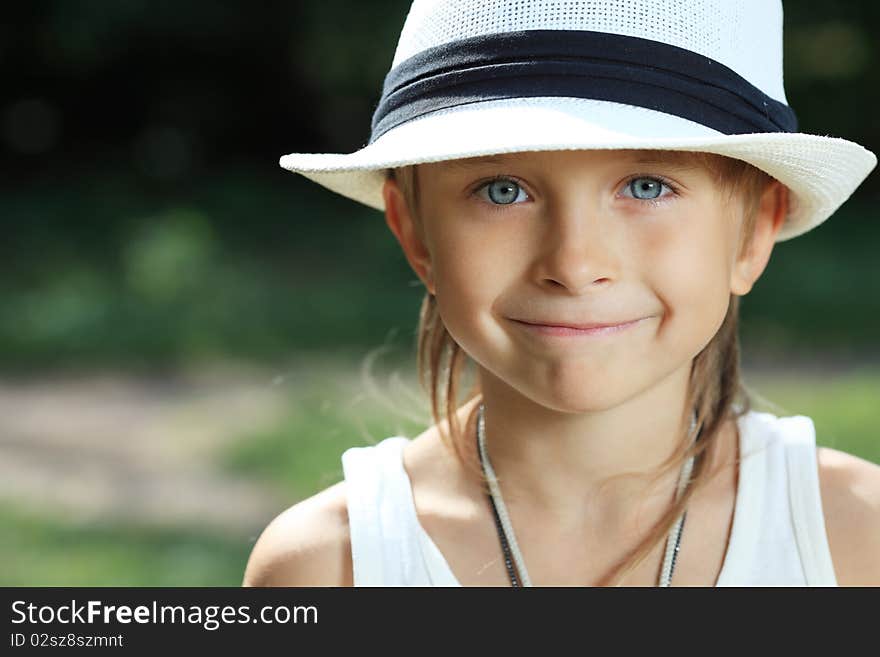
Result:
x=744 y=35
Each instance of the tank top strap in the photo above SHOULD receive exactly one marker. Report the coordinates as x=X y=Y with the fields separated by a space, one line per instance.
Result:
x=384 y=542
x=778 y=534
x=799 y=437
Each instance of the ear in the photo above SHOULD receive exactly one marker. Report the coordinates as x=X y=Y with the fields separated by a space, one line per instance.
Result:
x=408 y=234
x=749 y=265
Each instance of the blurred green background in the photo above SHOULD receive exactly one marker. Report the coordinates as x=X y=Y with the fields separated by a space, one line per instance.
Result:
x=184 y=324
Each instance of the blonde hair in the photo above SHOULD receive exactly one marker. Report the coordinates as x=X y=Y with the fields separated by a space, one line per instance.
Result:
x=716 y=390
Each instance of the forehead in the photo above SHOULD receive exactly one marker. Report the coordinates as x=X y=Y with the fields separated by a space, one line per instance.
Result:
x=671 y=158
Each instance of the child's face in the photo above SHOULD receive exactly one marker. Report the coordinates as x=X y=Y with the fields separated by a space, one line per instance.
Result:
x=580 y=237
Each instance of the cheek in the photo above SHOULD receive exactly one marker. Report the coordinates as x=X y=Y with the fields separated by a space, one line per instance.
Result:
x=469 y=275
x=690 y=272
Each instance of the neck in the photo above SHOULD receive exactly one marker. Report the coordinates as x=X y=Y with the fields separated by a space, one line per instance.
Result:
x=563 y=466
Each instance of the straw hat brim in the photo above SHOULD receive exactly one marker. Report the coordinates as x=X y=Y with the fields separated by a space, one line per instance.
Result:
x=821 y=171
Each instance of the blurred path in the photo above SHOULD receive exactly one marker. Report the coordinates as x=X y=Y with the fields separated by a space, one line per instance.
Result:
x=116 y=446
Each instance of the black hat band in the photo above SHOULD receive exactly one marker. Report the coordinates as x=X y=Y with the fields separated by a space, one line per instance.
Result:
x=579 y=64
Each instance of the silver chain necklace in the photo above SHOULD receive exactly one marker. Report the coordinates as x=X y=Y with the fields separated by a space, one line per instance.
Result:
x=509 y=547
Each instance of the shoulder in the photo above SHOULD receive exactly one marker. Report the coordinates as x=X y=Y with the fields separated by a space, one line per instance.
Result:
x=307 y=544
x=850 y=490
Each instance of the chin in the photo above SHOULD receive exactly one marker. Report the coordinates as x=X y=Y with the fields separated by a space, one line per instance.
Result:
x=582 y=400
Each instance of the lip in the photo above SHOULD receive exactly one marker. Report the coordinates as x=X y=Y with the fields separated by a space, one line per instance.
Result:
x=578 y=329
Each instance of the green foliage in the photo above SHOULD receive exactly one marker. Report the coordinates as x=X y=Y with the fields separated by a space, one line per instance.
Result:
x=189 y=279
x=38 y=549
x=171 y=258
x=302 y=454
x=843 y=406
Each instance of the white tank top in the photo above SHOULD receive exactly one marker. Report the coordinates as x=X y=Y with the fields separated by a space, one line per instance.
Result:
x=777 y=539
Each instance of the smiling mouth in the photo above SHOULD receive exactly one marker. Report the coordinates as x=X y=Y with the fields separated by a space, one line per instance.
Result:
x=577 y=330
x=578 y=326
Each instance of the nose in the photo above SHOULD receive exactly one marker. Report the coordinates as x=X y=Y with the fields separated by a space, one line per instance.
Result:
x=579 y=252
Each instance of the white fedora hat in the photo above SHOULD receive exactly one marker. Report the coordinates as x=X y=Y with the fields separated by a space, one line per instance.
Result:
x=481 y=77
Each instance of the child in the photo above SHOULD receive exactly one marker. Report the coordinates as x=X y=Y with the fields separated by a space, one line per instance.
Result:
x=586 y=188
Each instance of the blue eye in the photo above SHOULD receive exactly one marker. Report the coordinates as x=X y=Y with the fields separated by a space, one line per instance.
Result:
x=645 y=188
x=503 y=191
